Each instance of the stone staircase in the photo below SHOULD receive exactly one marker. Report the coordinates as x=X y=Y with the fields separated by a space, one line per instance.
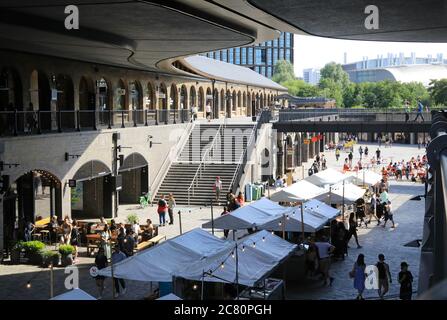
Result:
x=228 y=144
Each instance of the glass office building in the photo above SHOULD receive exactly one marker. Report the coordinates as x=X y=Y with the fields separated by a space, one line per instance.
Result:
x=260 y=58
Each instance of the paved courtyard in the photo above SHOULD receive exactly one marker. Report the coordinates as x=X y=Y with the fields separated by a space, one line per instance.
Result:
x=375 y=240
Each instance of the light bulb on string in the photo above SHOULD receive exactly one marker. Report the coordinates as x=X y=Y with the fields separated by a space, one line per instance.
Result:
x=222 y=265
x=28 y=284
x=232 y=254
x=263 y=239
x=194 y=287
x=273 y=232
x=287 y=217
x=254 y=244
x=280 y=223
x=243 y=248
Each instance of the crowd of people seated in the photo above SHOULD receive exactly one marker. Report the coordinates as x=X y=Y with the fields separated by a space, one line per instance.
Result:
x=414 y=169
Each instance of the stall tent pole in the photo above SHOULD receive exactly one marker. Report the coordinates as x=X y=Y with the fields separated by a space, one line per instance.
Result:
x=51 y=281
x=343 y=201
x=180 y=220
x=203 y=284
x=212 y=217
x=302 y=220
x=284 y=226
x=237 y=272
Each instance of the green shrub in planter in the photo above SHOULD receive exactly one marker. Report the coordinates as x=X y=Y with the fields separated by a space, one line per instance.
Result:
x=50 y=257
x=66 y=252
x=16 y=251
x=132 y=218
x=33 y=251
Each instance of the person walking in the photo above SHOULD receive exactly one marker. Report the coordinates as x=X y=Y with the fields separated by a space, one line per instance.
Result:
x=324 y=250
x=378 y=155
x=384 y=276
x=360 y=152
x=366 y=151
x=225 y=212
x=350 y=156
x=118 y=256
x=208 y=111
x=217 y=188
x=406 y=282
x=337 y=154
x=352 y=231
x=388 y=214
x=361 y=212
x=101 y=263
x=419 y=112
x=105 y=240
x=359 y=275
x=171 y=207
x=75 y=239
x=407 y=111
x=162 y=207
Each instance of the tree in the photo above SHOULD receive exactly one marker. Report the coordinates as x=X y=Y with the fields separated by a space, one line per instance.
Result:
x=438 y=91
x=335 y=72
x=300 y=88
x=283 y=72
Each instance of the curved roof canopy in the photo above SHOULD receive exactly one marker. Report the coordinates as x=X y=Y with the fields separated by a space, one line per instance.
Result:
x=220 y=70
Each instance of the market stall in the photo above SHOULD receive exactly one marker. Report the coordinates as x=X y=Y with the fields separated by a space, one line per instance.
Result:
x=299 y=191
x=248 y=216
x=345 y=193
x=328 y=177
x=75 y=294
x=321 y=208
x=365 y=177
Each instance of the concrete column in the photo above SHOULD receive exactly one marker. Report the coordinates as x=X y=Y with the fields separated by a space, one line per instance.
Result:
x=412 y=138
x=1 y=225
x=66 y=199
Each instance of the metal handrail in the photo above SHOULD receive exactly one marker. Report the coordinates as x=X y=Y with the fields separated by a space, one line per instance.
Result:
x=202 y=163
x=173 y=154
x=241 y=158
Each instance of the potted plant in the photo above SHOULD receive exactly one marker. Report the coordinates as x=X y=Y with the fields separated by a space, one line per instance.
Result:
x=50 y=257
x=132 y=218
x=16 y=252
x=66 y=252
x=33 y=251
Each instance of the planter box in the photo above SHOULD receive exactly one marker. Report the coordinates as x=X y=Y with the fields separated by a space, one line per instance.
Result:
x=67 y=260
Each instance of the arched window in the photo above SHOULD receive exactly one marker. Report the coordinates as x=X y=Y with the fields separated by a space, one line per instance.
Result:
x=200 y=101
x=192 y=97
x=234 y=102
x=150 y=102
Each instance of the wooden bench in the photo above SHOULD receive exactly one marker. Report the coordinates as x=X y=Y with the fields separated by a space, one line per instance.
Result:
x=155 y=240
x=143 y=245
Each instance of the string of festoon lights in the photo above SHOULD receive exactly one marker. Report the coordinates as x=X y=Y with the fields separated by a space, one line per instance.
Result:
x=242 y=247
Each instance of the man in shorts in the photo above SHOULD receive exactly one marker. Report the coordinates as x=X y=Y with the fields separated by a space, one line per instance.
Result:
x=384 y=276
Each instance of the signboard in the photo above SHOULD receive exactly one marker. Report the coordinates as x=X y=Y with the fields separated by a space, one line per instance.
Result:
x=54 y=94
x=72 y=183
x=306 y=141
x=121 y=92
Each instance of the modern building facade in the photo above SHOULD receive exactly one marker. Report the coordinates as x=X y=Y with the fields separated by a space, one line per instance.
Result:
x=261 y=57
x=395 y=67
x=311 y=76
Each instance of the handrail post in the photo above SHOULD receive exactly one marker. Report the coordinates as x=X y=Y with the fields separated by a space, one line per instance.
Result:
x=145 y=117
x=15 y=122
x=122 y=118
x=156 y=116
x=94 y=120
x=134 y=116
x=39 y=126
x=110 y=119
x=59 y=120
x=78 y=121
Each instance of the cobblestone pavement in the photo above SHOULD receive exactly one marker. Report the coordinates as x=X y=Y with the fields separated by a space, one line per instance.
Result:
x=375 y=240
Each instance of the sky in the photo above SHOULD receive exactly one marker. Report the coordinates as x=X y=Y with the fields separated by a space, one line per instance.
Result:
x=315 y=52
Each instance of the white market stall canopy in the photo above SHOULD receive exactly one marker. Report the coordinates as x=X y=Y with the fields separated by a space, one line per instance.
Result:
x=367 y=177
x=327 y=177
x=257 y=254
x=248 y=216
x=170 y=296
x=166 y=259
x=351 y=193
x=196 y=251
x=322 y=209
x=291 y=222
x=300 y=191
x=75 y=294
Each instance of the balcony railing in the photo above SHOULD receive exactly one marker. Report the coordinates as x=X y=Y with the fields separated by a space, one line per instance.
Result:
x=14 y=123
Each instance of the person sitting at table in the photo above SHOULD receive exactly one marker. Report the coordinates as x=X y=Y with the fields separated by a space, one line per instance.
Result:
x=121 y=236
x=67 y=228
x=148 y=231
x=129 y=243
x=29 y=229
x=113 y=226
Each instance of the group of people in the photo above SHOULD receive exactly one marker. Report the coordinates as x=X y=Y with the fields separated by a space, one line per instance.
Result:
x=166 y=206
x=414 y=169
x=318 y=164
x=318 y=261
x=233 y=203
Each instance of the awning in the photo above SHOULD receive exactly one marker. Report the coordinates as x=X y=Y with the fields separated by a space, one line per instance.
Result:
x=367 y=177
x=351 y=193
x=132 y=162
x=322 y=209
x=194 y=254
x=300 y=191
x=327 y=177
x=248 y=216
x=91 y=170
x=75 y=294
